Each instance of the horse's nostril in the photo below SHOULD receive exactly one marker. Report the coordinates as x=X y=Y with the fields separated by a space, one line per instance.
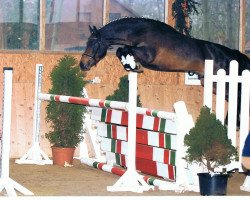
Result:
x=82 y=66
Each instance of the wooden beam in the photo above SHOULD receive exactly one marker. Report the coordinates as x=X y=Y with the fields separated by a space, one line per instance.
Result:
x=42 y=26
x=168 y=12
x=166 y=4
x=106 y=10
x=242 y=26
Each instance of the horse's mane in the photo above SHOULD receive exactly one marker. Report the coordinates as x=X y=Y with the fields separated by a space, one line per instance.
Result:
x=130 y=21
x=136 y=20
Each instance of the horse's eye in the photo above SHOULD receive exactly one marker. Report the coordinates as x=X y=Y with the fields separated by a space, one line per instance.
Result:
x=96 y=45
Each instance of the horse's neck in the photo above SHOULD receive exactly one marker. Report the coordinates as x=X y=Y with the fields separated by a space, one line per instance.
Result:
x=119 y=41
x=113 y=37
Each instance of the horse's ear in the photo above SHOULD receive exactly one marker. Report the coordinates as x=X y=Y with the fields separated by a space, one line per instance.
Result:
x=93 y=30
x=90 y=29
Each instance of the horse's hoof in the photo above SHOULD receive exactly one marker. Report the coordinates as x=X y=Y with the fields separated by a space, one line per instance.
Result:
x=127 y=67
x=139 y=68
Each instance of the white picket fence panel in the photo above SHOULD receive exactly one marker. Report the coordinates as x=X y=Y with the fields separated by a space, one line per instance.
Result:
x=233 y=79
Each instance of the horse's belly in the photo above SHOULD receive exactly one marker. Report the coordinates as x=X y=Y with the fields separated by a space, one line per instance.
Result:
x=168 y=60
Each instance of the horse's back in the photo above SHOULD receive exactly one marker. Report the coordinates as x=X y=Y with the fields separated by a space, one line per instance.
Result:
x=162 y=36
x=223 y=55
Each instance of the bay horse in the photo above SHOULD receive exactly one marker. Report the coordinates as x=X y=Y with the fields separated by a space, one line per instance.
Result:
x=157 y=46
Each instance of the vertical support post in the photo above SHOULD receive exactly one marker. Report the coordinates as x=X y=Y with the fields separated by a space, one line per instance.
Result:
x=220 y=99
x=7 y=96
x=131 y=180
x=232 y=101
x=35 y=155
x=184 y=123
x=37 y=104
x=208 y=84
x=244 y=114
x=5 y=181
x=132 y=120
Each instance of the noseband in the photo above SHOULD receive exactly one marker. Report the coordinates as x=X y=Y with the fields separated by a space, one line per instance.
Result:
x=90 y=56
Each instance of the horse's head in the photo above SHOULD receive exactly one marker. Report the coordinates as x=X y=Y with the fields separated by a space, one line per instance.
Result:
x=96 y=49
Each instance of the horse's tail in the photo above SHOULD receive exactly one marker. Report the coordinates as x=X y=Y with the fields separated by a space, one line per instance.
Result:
x=244 y=61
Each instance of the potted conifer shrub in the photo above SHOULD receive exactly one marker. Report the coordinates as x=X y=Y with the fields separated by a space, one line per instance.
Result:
x=65 y=119
x=207 y=143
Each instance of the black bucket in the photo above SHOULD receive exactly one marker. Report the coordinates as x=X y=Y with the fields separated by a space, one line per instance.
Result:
x=213 y=185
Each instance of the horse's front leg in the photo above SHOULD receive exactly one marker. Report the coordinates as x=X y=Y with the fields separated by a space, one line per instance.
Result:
x=128 y=60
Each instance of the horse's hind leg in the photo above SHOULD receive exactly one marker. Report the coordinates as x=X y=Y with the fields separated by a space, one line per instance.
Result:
x=144 y=54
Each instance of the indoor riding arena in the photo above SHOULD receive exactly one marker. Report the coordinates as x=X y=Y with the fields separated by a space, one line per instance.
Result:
x=122 y=85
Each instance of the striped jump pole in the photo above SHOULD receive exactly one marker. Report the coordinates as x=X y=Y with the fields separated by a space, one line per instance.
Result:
x=118 y=171
x=35 y=155
x=104 y=104
x=5 y=181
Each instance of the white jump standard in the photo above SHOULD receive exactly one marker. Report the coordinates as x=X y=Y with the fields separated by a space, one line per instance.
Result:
x=131 y=180
x=5 y=181
x=35 y=155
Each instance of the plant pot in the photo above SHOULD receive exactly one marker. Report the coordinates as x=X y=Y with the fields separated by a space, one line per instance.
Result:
x=62 y=155
x=213 y=185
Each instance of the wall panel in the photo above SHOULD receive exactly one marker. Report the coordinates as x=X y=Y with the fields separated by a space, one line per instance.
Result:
x=158 y=90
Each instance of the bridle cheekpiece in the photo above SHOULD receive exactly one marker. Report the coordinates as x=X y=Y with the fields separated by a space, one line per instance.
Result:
x=94 y=54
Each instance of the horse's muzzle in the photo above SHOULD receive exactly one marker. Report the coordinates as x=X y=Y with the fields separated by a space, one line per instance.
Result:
x=84 y=67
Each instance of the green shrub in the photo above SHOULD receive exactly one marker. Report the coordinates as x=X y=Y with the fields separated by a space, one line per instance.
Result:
x=66 y=119
x=121 y=94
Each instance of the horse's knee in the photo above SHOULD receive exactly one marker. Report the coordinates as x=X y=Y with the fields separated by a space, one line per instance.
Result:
x=128 y=60
x=120 y=52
